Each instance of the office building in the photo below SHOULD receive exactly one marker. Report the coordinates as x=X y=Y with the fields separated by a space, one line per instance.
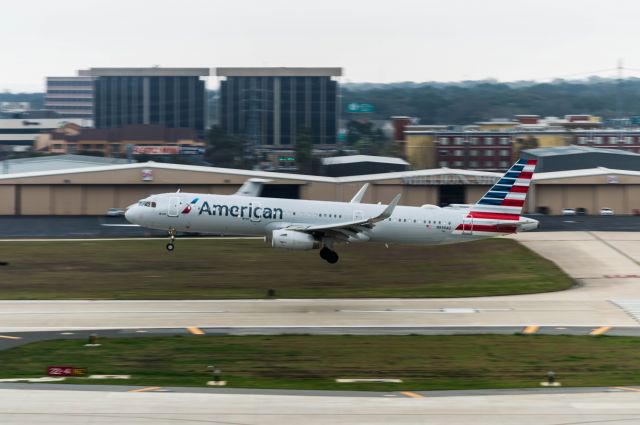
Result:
x=70 y=97
x=270 y=106
x=174 y=97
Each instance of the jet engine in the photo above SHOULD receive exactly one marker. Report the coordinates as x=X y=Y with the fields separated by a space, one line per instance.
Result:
x=291 y=239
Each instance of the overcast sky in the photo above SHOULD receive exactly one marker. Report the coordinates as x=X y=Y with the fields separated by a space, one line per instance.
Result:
x=374 y=41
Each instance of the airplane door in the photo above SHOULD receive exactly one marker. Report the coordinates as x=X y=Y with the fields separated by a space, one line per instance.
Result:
x=256 y=217
x=173 y=208
x=467 y=226
x=358 y=215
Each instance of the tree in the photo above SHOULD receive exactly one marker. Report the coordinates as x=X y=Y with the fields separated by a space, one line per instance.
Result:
x=224 y=150
x=304 y=151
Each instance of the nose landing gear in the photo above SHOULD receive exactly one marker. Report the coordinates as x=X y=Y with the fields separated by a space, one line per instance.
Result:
x=172 y=238
x=329 y=255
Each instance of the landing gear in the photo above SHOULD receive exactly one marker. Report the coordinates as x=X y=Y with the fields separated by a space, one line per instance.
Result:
x=172 y=238
x=329 y=255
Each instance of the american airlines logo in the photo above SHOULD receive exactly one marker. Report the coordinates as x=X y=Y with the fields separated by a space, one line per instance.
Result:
x=244 y=211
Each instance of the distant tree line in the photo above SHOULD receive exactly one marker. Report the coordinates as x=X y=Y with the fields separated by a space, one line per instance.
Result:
x=466 y=103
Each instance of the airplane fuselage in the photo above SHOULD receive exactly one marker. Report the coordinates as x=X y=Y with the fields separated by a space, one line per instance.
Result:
x=256 y=216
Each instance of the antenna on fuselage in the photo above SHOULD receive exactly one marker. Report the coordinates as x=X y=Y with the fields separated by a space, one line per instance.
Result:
x=178 y=191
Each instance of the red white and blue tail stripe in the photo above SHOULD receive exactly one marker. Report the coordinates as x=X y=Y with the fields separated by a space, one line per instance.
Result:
x=498 y=211
x=505 y=199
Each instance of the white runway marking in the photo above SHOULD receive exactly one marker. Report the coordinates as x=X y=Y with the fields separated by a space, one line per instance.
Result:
x=455 y=310
x=632 y=307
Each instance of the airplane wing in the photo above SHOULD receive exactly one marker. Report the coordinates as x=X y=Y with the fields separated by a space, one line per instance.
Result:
x=358 y=196
x=349 y=229
x=252 y=187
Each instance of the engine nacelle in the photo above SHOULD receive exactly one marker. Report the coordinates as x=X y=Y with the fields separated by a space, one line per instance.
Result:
x=290 y=239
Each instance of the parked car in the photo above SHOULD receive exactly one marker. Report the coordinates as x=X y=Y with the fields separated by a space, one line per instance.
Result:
x=606 y=211
x=115 y=212
x=581 y=211
x=569 y=211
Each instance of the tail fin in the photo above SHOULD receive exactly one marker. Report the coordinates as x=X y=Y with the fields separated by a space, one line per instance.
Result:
x=505 y=199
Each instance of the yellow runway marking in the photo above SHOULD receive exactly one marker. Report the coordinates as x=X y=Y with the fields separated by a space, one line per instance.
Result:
x=627 y=389
x=195 y=330
x=531 y=329
x=142 y=390
x=10 y=337
x=600 y=330
x=411 y=394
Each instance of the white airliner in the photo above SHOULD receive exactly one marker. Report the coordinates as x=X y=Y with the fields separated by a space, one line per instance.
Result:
x=305 y=225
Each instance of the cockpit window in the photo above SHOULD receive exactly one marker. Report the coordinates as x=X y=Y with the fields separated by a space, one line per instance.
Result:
x=148 y=204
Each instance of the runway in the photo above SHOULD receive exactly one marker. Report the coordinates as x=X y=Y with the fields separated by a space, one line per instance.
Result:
x=617 y=406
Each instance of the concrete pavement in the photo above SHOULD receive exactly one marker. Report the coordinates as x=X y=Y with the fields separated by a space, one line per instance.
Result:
x=95 y=407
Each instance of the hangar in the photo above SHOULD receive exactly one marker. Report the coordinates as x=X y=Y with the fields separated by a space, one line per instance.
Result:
x=92 y=190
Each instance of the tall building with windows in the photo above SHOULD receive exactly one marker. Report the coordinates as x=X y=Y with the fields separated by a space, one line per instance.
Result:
x=270 y=106
x=70 y=97
x=174 y=97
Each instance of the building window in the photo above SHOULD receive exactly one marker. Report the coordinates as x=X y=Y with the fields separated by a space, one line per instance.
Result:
x=628 y=140
x=474 y=140
x=458 y=163
x=582 y=140
x=442 y=163
x=504 y=152
x=488 y=140
x=488 y=164
x=444 y=141
x=444 y=152
x=504 y=164
x=473 y=164
x=597 y=140
x=459 y=140
x=504 y=140
x=613 y=140
x=57 y=146
x=488 y=152
x=457 y=152
x=473 y=152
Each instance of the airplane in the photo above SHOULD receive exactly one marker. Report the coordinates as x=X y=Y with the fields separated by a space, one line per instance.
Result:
x=306 y=225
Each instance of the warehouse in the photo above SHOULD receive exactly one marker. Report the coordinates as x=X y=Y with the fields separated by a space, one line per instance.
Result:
x=92 y=190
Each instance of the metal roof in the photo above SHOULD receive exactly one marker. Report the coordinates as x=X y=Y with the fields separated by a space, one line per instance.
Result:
x=348 y=179
x=252 y=173
x=575 y=150
x=54 y=163
x=600 y=171
x=351 y=159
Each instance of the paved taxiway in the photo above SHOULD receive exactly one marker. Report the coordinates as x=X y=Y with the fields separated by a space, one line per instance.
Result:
x=96 y=407
x=606 y=266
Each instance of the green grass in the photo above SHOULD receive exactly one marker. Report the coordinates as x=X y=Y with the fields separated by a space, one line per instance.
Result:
x=201 y=268
x=314 y=362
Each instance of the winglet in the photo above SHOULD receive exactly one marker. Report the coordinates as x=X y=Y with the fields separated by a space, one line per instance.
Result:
x=387 y=211
x=358 y=196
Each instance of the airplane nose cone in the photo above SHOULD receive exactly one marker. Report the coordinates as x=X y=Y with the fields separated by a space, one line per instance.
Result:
x=129 y=214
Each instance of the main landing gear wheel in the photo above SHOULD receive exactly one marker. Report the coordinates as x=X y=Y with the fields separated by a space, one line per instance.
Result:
x=329 y=256
x=170 y=247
